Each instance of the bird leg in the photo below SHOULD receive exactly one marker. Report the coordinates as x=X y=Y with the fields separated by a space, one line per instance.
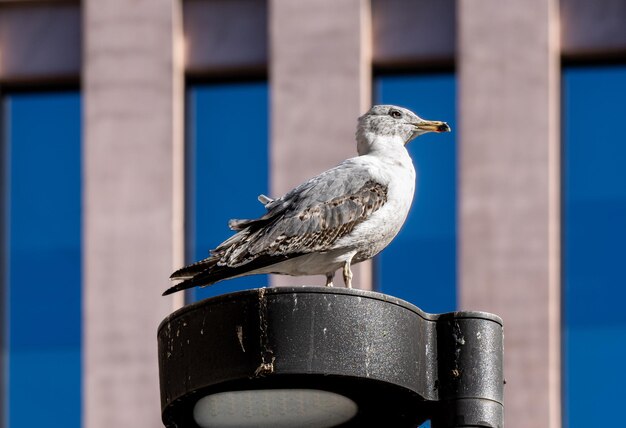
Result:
x=347 y=274
x=329 y=279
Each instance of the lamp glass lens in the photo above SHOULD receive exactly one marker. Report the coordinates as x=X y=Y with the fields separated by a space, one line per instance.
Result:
x=274 y=408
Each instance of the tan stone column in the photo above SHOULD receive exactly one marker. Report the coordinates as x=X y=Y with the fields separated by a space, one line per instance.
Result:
x=509 y=192
x=132 y=95
x=320 y=83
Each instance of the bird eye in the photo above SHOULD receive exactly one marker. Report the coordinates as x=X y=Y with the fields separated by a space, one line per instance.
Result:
x=395 y=114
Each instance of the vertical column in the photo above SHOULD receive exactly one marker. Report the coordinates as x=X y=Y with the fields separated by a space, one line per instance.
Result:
x=510 y=178
x=320 y=75
x=132 y=148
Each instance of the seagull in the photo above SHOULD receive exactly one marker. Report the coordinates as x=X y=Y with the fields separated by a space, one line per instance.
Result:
x=343 y=216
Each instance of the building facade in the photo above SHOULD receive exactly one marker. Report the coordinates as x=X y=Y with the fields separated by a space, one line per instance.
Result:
x=132 y=131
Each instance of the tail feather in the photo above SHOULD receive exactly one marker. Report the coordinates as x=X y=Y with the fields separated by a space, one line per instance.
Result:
x=208 y=276
x=207 y=272
x=239 y=224
x=265 y=200
x=194 y=269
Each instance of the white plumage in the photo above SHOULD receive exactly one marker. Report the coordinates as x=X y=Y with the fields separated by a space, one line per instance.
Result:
x=343 y=216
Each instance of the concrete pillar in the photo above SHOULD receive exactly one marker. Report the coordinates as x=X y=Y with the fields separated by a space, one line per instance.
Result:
x=320 y=83
x=509 y=192
x=132 y=89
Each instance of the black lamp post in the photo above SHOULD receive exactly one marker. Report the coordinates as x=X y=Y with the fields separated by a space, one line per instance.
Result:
x=324 y=357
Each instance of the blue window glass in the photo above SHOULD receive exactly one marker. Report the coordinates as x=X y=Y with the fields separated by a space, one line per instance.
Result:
x=42 y=230
x=594 y=244
x=420 y=264
x=227 y=163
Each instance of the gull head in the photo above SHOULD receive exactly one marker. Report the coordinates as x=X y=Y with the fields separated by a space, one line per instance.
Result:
x=393 y=123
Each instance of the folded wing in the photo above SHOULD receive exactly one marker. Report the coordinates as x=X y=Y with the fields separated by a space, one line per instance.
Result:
x=310 y=218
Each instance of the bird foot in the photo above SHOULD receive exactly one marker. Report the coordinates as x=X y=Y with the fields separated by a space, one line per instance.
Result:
x=329 y=279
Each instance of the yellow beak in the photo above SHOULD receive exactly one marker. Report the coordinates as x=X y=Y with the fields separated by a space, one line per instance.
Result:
x=433 y=126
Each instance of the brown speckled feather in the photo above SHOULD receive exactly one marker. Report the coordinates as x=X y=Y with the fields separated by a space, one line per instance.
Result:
x=310 y=218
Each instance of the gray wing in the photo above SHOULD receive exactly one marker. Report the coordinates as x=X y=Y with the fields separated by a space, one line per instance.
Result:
x=310 y=218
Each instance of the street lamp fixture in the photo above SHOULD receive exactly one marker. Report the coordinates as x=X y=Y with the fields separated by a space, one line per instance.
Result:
x=322 y=357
